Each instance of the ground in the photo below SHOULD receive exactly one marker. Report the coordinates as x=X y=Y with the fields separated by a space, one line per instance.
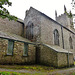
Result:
x=35 y=70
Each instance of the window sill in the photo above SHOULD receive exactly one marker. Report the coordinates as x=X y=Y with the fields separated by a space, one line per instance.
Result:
x=9 y=55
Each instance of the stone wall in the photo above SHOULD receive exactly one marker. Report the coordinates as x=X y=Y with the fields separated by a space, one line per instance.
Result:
x=47 y=30
x=34 y=17
x=44 y=27
x=64 y=20
x=66 y=36
x=48 y=56
x=11 y=26
x=63 y=59
x=17 y=57
x=48 y=26
x=66 y=39
x=51 y=57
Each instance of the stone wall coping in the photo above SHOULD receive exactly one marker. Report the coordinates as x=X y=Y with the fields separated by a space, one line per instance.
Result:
x=57 y=49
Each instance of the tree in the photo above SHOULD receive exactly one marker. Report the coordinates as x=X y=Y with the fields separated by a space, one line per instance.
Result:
x=4 y=13
x=73 y=4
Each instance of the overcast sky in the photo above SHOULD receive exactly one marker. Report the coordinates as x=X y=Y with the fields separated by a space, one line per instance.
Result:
x=46 y=6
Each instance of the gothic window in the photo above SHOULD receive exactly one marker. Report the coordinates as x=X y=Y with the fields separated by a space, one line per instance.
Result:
x=29 y=30
x=56 y=37
x=70 y=41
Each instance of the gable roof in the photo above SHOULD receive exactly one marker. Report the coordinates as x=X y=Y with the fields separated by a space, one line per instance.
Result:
x=53 y=20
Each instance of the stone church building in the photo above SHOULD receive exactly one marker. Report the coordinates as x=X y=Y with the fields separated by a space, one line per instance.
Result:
x=38 y=39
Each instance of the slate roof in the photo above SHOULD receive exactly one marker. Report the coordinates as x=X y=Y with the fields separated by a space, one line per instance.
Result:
x=6 y=35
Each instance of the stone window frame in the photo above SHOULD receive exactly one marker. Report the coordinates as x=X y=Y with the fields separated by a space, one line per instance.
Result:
x=10 y=47
x=70 y=42
x=55 y=37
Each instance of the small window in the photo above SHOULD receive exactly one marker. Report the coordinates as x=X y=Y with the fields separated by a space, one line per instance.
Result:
x=10 y=47
x=25 y=52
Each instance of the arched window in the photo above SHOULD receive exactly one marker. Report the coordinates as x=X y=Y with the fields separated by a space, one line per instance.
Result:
x=70 y=42
x=29 y=30
x=56 y=37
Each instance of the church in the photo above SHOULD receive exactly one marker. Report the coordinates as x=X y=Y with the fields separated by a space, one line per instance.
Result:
x=38 y=39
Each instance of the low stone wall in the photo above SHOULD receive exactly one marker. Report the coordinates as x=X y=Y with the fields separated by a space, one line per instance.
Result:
x=63 y=59
x=44 y=54
x=17 y=57
x=51 y=57
x=48 y=56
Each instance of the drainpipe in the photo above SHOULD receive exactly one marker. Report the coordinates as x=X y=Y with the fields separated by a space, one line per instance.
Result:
x=62 y=36
x=68 y=59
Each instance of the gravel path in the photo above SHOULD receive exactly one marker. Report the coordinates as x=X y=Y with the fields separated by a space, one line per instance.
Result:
x=64 y=71
x=57 y=72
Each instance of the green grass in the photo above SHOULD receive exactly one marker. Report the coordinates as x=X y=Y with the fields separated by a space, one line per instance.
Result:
x=33 y=70
x=28 y=67
x=9 y=73
x=39 y=69
x=16 y=73
x=74 y=62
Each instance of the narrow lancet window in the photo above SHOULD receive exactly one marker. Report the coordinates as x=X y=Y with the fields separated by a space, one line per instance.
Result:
x=56 y=37
x=70 y=42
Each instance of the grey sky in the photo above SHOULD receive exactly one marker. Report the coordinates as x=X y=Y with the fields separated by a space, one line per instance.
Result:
x=46 y=6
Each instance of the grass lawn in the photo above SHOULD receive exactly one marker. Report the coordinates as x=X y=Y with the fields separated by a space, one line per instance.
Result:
x=16 y=73
x=74 y=62
x=40 y=70
x=33 y=70
x=28 y=67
